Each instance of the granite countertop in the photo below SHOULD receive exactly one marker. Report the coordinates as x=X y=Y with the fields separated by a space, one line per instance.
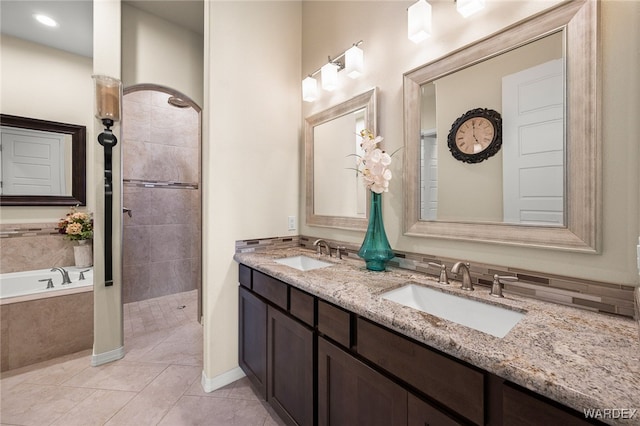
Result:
x=582 y=359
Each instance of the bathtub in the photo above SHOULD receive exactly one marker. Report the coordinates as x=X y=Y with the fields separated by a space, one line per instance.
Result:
x=26 y=285
x=39 y=324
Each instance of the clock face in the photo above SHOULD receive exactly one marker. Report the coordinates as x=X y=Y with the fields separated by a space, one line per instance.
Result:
x=476 y=135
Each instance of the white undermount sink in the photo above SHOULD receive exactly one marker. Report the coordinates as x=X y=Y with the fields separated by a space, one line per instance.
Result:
x=303 y=263
x=490 y=319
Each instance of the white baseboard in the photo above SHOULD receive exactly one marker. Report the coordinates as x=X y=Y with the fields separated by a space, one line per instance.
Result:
x=105 y=357
x=211 y=384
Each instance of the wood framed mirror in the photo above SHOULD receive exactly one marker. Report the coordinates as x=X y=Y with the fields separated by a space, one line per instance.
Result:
x=72 y=162
x=335 y=194
x=575 y=24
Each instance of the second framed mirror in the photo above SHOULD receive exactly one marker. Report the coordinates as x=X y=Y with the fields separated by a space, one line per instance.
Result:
x=336 y=197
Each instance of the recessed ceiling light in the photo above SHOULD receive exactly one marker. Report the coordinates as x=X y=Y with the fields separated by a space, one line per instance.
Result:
x=45 y=20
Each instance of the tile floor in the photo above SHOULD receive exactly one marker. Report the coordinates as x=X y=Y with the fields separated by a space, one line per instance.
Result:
x=156 y=383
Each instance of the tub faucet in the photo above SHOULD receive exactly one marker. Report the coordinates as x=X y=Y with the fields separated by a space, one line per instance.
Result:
x=319 y=243
x=82 y=274
x=466 y=277
x=65 y=275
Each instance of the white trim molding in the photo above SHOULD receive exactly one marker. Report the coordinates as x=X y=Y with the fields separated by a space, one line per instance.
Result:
x=106 y=357
x=214 y=383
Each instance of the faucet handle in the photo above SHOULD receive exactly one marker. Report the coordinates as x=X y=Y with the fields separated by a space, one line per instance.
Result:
x=444 y=278
x=82 y=274
x=49 y=282
x=496 y=287
x=339 y=251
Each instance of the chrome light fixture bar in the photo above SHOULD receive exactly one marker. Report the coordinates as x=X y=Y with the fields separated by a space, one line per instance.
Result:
x=351 y=59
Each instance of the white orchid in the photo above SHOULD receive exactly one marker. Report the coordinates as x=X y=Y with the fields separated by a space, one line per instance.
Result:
x=375 y=162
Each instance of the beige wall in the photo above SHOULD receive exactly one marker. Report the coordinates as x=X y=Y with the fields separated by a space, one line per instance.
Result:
x=159 y=52
x=251 y=150
x=40 y=82
x=328 y=29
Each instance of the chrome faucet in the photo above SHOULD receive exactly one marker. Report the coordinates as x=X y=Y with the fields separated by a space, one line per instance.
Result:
x=319 y=243
x=466 y=277
x=65 y=275
x=496 y=287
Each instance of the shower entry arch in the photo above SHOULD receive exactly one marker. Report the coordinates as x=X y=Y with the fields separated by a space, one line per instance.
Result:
x=162 y=197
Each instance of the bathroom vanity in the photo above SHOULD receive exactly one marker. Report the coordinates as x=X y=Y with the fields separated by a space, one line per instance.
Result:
x=323 y=347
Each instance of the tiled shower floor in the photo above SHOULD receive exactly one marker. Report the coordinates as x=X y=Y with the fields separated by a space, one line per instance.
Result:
x=156 y=383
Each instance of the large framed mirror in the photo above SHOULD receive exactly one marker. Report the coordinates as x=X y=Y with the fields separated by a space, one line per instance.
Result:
x=43 y=163
x=336 y=196
x=542 y=187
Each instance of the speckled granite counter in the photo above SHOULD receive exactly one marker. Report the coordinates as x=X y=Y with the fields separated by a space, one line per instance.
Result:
x=581 y=359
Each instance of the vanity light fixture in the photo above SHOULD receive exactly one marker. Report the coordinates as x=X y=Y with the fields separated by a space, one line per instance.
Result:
x=354 y=61
x=108 y=95
x=309 y=89
x=419 y=21
x=329 y=74
x=351 y=59
x=469 y=7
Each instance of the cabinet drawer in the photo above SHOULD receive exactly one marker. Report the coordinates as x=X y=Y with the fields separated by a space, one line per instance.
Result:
x=270 y=288
x=449 y=382
x=302 y=306
x=523 y=409
x=244 y=276
x=335 y=323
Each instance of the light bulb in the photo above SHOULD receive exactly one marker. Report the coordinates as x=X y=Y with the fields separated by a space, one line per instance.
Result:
x=419 y=21
x=354 y=62
x=329 y=77
x=309 y=89
x=469 y=7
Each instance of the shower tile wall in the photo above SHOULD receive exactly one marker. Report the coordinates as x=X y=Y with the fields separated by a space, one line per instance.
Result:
x=161 y=173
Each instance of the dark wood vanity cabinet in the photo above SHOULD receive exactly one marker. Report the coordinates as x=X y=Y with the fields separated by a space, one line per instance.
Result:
x=252 y=339
x=276 y=351
x=319 y=364
x=352 y=393
x=290 y=385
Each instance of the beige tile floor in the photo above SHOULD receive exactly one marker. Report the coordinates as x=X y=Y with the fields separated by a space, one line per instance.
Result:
x=156 y=383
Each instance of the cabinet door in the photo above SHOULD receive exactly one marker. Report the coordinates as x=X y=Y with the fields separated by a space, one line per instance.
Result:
x=522 y=409
x=290 y=368
x=422 y=413
x=351 y=393
x=252 y=339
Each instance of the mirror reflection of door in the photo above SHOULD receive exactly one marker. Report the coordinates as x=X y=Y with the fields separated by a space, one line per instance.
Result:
x=533 y=160
x=33 y=162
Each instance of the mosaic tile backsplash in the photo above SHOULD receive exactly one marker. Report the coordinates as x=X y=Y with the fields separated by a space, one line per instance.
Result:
x=584 y=294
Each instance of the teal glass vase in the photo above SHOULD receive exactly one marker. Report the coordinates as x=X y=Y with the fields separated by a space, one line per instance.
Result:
x=375 y=249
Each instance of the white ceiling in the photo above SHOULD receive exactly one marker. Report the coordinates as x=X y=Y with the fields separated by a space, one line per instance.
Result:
x=75 y=18
x=73 y=34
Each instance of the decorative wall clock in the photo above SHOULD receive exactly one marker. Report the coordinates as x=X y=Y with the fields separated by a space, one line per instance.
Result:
x=476 y=135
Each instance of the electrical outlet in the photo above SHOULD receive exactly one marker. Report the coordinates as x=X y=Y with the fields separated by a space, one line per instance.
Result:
x=291 y=221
